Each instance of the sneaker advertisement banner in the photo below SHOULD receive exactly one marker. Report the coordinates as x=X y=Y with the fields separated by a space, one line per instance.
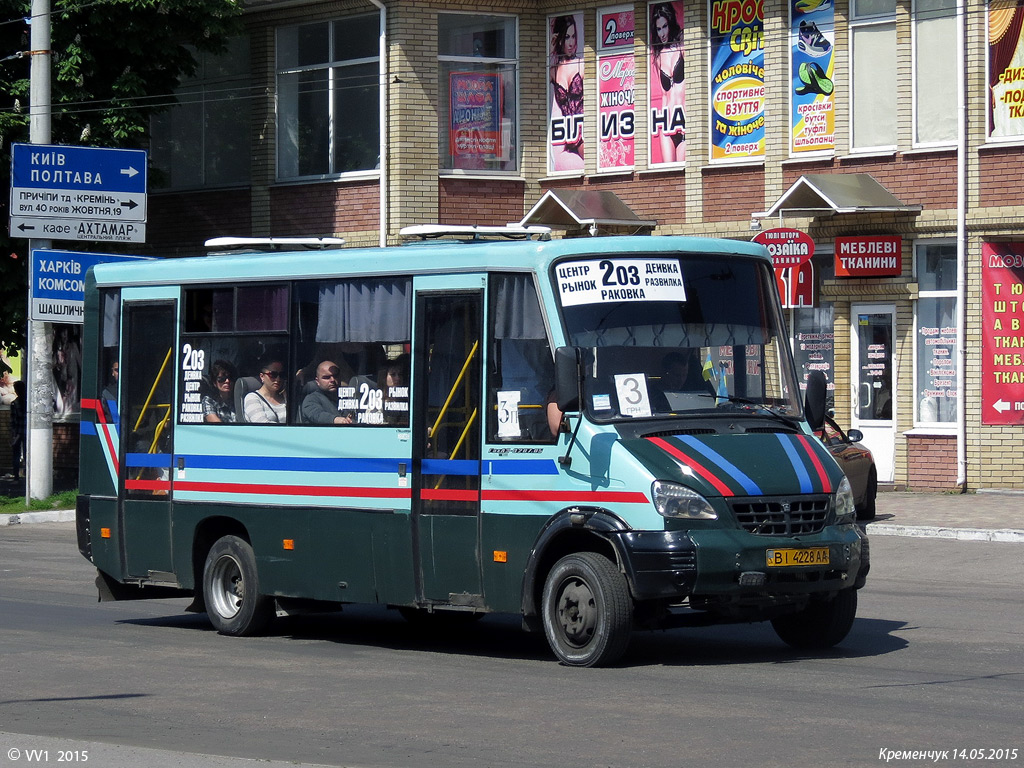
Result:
x=812 y=35
x=737 y=79
x=666 y=88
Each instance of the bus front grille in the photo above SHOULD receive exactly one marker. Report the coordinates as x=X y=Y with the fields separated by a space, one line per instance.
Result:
x=781 y=517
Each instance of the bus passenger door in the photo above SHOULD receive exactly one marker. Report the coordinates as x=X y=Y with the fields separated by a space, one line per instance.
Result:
x=147 y=428
x=446 y=438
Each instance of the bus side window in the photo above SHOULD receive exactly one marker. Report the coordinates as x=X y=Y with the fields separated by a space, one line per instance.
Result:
x=521 y=369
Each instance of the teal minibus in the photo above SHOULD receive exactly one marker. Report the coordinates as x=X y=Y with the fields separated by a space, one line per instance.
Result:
x=599 y=435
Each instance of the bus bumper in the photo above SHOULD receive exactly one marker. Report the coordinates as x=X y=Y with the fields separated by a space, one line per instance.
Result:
x=733 y=563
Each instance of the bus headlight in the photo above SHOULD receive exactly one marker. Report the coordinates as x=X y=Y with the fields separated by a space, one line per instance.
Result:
x=845 y=510
x=674 y=500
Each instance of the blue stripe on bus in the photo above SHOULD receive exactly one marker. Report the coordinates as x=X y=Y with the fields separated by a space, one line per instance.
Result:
x=467 y=467
x=293 y=463
x=737 y=474
x=520 y=467
x=112 y=407
x=87 y=428
x=153 y=460
x=797 y=462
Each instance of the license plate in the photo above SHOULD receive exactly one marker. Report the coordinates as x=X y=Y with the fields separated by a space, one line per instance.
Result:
x=805 y=556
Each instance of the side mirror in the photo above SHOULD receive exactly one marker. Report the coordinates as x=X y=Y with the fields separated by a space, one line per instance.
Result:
x=568 y=378
x=814 y=400
x=855 y=435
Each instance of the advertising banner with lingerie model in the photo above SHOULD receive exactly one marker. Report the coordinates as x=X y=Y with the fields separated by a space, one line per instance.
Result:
x=666 y=88
x=737 y=79
x=616 y=88
x=565 y=80
x=812 y=37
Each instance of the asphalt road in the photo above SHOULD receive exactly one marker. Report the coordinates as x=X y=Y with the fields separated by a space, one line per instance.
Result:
x=935 y=662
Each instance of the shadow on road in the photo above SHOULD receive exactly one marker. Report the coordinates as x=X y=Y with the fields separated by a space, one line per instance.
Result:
x=501 y=636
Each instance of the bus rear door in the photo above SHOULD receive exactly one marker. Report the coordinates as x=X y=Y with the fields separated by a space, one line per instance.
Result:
x=147 y=436
x=446 y=437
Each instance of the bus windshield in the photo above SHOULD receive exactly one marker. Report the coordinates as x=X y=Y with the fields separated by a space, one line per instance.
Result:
x=667 y=334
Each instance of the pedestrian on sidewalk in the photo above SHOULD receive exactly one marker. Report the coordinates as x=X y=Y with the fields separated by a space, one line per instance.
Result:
x=19 y=417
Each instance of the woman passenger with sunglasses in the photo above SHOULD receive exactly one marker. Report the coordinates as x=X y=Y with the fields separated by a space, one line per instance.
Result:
x=219 y=407
x=267 y=404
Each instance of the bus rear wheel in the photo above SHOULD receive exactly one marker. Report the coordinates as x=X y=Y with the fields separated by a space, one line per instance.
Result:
x=231 y=589
x=587 y=611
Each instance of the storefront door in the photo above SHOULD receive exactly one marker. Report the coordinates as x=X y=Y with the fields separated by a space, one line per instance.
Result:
x=874 y=382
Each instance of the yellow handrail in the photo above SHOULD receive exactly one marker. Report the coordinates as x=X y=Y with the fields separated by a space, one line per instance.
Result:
x=455 y=386
x=156 y=382
x=458 y=445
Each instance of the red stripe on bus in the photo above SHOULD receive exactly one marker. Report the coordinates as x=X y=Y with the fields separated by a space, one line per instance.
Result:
x=443 y=494
x=147 y=485
x=625 y=497
x=295 y=490
x=701 y=470
x=822 y=475
x=101 y=419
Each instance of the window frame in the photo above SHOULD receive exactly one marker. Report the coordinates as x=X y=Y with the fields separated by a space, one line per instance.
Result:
x=444 y=164
x=857 y=22
x=917 y=17
x=933 y=427
x=330 y=68
x=197 y=91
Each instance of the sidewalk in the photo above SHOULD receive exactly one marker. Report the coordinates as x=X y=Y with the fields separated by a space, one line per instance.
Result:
x=981 y=516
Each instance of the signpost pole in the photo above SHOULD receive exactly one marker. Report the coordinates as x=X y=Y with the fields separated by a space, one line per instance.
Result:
x=39 y=449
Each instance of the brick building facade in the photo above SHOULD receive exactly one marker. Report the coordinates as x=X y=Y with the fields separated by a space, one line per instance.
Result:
x=321 y=135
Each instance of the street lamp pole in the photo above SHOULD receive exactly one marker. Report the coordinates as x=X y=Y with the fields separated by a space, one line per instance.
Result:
x=39 y=449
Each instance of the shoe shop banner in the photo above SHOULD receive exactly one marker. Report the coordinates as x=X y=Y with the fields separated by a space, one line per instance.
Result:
x=812 y=35
x=737 y=79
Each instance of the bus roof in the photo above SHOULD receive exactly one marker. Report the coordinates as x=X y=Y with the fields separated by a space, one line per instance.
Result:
x=426 y=258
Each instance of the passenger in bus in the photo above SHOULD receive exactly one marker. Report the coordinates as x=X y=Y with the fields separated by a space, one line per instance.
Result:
x=110 y=389
x=219 y=407
x=321 y=405
x=267 y=404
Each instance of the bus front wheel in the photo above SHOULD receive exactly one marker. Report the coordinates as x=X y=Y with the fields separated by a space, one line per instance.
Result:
x=231 y=589
x=587 y=610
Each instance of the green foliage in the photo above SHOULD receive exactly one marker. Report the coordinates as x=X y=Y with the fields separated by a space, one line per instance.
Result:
x=14 y=505
x=115 y=63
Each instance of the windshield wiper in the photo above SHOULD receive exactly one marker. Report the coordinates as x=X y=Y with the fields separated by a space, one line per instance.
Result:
x=761 y=408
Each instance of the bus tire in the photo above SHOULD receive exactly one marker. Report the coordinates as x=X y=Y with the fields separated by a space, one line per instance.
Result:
x=587 y=611
x=819 y=625
x=231 y=589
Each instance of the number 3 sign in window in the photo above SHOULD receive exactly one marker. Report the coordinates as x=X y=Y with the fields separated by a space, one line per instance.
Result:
x=631 y=389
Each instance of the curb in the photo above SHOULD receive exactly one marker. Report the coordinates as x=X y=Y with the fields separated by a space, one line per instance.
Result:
x=48 y=516
x=1010 y=535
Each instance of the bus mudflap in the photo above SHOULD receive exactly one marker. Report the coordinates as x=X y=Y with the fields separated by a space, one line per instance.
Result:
x=110 y=590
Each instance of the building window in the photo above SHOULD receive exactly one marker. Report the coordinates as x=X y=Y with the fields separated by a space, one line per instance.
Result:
x=874 y=76
x=935 y=97
x=935 y=358
x=328 y=86
x=203 y=140
x=479 y=70
x=813 y=333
